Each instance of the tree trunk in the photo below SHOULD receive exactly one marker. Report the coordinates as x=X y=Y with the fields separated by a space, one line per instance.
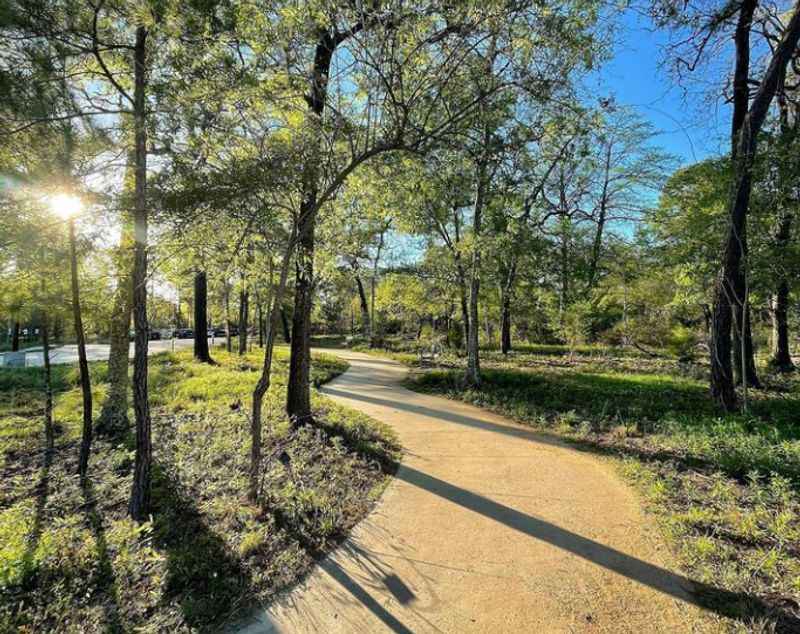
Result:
x=298 y=395
x=597 y=244
x=244 y=316
x=473 y=375
x=275 y=312
x=49 y=433
x=227 y=307
x=113 y=418
x=505 y=307
x=287 y=333
x=15 y=337
x=139 y=505
x=781 y=357
x=749 y=364
x=260 y=311
x=201 y=352
x=505 y=325
x=362 y=296
x=730 y=285
x=83 y=365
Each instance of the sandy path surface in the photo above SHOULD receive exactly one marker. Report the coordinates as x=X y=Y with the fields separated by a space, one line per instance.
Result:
x=487 y=527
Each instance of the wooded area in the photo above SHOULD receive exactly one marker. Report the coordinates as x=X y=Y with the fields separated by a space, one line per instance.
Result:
x=430 y=179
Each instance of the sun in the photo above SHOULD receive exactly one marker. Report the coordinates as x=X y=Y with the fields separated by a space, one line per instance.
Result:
x=66 y=205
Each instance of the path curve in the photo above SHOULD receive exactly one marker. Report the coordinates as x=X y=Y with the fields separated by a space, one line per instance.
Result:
x=487 y=527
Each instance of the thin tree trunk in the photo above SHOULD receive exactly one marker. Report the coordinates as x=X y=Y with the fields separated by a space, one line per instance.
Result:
x=260 y=310
x=362 y=296
x=275 y=312
x=15 y=337
x=781 y=357
x=49 y=433
x=287 y=333
x=244 y=315
x=746 y=364
x=227 y=301
x=201 y=352
x=473 y=375
x=83 y=364
x=505 y=307
x=113 y=418
x=139 y=505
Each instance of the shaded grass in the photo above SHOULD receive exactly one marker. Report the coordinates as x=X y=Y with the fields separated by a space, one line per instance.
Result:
x=726 y=489
x=71 y=560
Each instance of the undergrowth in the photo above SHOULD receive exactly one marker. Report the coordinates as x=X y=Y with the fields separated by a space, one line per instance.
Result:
x=71 y=560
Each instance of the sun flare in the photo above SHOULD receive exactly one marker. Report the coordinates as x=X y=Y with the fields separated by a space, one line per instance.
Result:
x=66 y=205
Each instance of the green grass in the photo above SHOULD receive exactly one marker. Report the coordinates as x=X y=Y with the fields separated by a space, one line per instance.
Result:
x=726 y=489
x=70 y=560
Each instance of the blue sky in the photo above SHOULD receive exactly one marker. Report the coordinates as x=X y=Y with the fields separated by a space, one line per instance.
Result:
x=692 y=124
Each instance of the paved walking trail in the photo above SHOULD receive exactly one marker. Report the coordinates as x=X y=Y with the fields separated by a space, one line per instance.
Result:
x=487 y=527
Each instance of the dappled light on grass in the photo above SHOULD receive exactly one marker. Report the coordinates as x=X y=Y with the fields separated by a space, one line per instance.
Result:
x=72 y=556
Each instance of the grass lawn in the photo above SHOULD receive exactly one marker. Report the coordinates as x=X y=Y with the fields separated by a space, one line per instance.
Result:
x=726 y=489
x=70 y=560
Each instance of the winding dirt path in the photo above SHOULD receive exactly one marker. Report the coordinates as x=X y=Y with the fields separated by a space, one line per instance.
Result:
x=487 y=527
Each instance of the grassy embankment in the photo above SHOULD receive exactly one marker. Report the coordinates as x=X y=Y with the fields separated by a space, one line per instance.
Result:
x=70 y=560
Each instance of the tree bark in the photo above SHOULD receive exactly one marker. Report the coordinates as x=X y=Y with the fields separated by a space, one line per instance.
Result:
x=113 y=418
x=298 y=394
x=362 y=296
x=244 y=316
x=83 y=364
x=275 y=312
x=15 y=336
x=730 y=285
x=749 y=364
x=201 y=352
x=473 y=375
x=139 y=505
x=49 y=433
x=287 y=333
x=597 y=244
x=781 y=357
x=226 y=299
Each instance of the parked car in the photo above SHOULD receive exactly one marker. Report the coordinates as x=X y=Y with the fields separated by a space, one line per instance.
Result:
x=153 y=335
x=216 y=332
x=184 y=333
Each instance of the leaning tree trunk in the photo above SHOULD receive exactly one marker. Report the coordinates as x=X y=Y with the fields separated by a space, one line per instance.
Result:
x=275 y=312
x=730 y=286
x=15 y=336
x=139 y=505
x=83 y=364
x=201 y=352
x=113 y=418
